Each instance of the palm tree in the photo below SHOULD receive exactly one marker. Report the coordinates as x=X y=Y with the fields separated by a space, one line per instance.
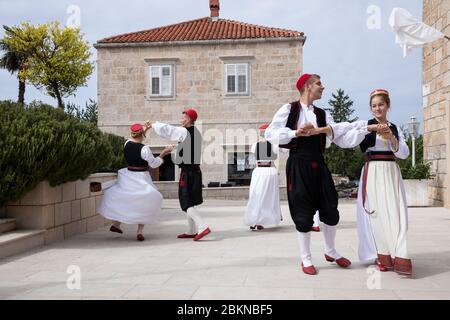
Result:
x=13 y=62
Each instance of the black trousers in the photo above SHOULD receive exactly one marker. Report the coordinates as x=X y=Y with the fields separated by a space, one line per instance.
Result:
x=310 y=187
x=190 y=187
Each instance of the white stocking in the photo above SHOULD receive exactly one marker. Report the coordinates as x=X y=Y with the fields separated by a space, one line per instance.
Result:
x=304 y=241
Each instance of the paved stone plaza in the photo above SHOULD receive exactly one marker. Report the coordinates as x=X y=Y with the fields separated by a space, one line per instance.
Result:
x=231 y=263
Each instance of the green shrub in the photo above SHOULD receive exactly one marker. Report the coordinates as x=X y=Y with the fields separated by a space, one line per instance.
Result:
x=422 y=170
x=116 y=158
x=39 y=142
x=89 y=113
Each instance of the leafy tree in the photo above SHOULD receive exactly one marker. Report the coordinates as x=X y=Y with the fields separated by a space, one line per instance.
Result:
x=57 y=58
x=13 y=62
x=346 y=162
x=341 y=107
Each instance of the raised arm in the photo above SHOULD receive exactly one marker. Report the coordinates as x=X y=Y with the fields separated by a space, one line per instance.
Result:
x=170 y=132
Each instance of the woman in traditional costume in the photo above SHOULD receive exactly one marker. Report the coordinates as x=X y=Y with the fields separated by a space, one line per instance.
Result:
x=382 y=209
x=263 y=208
x=134 y=199
x=382 y=212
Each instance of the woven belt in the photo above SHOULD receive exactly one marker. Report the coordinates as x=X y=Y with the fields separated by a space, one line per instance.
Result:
x=264 y=164
x=138 y=169
x=369 y=158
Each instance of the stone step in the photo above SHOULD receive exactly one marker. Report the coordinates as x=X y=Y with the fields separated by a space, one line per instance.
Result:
x=18 y=241
x=7 y=225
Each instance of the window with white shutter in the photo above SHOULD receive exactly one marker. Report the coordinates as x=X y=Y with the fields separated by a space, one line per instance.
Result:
x=236 y=79
x=161 y=80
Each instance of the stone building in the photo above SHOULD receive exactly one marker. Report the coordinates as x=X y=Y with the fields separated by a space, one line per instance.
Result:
x=436 y=100
x=235 y=74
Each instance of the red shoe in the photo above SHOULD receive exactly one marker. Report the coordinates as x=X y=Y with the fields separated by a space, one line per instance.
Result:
x=315 y=229
x=311 y=270
x=201 y=235
x=403 y=266
x=186 y=236
x=115 y=229
x=380 y=267
x=140 y=237
x=384 y=262
x=341 y=262
x=258 y=227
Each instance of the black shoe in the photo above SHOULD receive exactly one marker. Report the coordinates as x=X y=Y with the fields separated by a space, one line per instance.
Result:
x=115 y=229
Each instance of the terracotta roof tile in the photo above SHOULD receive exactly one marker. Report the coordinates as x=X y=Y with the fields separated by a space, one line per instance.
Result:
x=203 y=29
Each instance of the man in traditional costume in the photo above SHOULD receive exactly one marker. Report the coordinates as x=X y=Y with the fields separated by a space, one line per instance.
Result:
x=188 y=158
x=263 y=207
x=306 y=130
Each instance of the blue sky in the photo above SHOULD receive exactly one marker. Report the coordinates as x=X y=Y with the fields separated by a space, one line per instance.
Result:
x=340 y=47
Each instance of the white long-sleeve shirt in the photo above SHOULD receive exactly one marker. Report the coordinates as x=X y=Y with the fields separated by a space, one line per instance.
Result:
x=354 y=137
x=147 y=155
x=277 y=133
x=170 y=132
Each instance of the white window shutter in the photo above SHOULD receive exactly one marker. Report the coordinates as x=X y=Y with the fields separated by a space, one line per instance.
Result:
x=166 y=81
x=155 y=80
x=231 y=78
x=242 y=77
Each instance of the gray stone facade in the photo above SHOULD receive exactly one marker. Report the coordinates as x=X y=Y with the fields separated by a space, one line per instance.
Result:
x=199 y=82
x=436 y=100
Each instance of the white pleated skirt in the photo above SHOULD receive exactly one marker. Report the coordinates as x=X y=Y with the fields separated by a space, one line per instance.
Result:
x=263 y=206
x=133 y=199
x=384 y=231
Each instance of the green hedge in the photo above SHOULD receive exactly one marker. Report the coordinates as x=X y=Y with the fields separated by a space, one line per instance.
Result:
x=39 y=142
x=422 y=170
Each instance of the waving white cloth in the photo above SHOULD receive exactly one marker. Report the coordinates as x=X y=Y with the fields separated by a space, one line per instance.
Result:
x=410 y=32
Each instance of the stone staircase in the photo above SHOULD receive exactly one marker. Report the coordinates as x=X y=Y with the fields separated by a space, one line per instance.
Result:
x=13 y=241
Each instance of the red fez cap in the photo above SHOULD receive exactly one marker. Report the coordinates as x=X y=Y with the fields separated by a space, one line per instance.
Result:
x=379 y=91
x=264 y=126
x=136 y=127
x=192 y=113
x=302 y=80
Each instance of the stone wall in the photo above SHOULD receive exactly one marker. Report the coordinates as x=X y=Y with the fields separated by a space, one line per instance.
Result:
x=436 y=101
x=123 y=90
x=63 y=211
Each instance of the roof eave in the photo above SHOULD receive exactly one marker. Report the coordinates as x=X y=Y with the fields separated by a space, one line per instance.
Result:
x=97 y=45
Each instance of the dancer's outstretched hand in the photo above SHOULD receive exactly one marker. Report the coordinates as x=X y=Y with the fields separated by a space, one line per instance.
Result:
x=167 y=150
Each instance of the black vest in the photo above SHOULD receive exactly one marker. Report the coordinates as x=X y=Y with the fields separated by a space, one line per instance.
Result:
x=371 y=138
x=132 y=153
x=189 y=151
x=314 y=145
x=264 y=152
